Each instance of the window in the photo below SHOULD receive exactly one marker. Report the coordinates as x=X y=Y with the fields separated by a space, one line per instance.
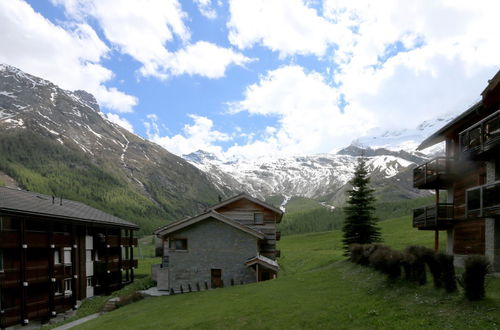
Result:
x=57 y=258
x=67 y=285
x=178 y=244
x=58 y=288
x=258 y=218
x=89 y=281
x=67 y=255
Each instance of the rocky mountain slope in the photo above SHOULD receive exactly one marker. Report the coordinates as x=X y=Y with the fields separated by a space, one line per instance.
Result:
x=58 y=142
x=322 y=177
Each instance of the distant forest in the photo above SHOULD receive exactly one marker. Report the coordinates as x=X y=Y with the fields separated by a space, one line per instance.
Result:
x=315 y=218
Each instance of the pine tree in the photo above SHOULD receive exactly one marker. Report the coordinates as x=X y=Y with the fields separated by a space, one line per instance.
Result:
x=360 y=225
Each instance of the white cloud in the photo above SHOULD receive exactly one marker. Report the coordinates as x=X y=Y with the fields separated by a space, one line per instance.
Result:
x=143 y=31
x=199 y=135
x=206 y=59
x=67 y=56
x=112 y=117
x=206 y=8
x=446 y=51
x=286 y=26
x=309 y=118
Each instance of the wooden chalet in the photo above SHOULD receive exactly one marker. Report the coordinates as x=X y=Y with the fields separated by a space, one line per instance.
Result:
x=54 y=252
x=233 y=242
x=469 y=173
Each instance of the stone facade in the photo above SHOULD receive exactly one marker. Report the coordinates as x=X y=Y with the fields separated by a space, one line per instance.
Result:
x=211 y=244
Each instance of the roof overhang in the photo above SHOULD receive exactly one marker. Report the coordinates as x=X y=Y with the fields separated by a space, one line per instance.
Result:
x=184 y=223
x=263 y=261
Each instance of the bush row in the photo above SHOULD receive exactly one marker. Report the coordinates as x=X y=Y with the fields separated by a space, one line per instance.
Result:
x=412 y=264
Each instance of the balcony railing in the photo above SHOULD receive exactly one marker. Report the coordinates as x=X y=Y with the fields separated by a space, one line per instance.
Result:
x=434 y=174
x=481 y=138
x=433 y=217
x=483 y=201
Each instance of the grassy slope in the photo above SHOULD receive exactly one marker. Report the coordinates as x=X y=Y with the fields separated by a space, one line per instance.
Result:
x=316 y=289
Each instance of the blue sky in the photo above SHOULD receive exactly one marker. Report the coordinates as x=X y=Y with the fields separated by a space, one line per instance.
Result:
x=257 y=78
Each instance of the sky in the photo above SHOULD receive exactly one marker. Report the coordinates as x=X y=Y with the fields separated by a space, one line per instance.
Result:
x=253 y=78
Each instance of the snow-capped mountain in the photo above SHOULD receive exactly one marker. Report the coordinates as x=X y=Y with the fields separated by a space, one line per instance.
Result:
x=406 y=139
x=391 y=156
x=322 y=177
x=132 y=177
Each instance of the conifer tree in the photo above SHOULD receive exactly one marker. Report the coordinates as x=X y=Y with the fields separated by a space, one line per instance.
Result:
x=360 y=225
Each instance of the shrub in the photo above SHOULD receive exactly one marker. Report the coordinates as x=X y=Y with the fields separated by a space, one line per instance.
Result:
x=448 y=279
x=429 y=257
x=356 y=253
x=387 y=261
x=414 y=260
x=476 y=268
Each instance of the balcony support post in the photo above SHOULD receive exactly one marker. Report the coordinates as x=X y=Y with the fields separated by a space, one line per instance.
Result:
x=131 y=255
x=436 y=240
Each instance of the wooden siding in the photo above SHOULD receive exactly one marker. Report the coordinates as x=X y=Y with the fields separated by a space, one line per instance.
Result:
x=468 y=237
x=472 y=178
x=243 y=211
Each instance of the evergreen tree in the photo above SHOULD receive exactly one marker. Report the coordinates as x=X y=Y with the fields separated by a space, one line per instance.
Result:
x=360 y=225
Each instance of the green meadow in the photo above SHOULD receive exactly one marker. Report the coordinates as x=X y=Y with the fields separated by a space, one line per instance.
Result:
x=317 y=289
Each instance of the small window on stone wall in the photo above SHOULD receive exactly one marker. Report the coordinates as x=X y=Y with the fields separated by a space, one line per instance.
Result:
x=258 y=218
x=178 y=244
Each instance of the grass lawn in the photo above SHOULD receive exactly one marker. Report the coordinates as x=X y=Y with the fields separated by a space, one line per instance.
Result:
x=317 y=289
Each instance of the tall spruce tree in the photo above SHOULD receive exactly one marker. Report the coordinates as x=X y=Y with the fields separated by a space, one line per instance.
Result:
x=360 y=225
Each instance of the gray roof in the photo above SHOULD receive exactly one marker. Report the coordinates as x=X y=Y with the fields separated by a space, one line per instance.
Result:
x=28 y=202
x=183 y=223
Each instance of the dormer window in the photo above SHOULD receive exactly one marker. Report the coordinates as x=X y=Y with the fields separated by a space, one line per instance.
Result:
x=258 y=218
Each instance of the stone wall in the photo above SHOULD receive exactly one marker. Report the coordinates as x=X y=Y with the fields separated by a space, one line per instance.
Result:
x=212 y=244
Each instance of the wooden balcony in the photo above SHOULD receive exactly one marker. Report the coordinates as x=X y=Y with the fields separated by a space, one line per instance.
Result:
x=435 y=174
x=10 y=316
x=113 y=265
x=10 y=278
x=433 y=217
x=482 y=139
x=9 y=239
x=483 y=201
x=37 y=308
x=128 y=264
x=278 y=235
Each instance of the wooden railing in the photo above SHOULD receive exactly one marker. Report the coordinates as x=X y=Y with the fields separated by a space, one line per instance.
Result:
x=432 y=216
x=432 y=174
x=10 y=316
x=483 y=201
x=481 y=137
x=9 y=239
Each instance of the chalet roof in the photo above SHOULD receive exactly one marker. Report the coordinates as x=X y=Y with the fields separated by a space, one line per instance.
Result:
x=490 y=97
x=456 y=125
x=244 y=195
x=181 y=224
x=32 y=203
x=263 y=261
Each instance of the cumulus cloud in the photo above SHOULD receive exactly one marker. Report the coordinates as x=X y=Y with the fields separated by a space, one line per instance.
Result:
x=199 y=135
x=309 y=117
x=405 y=61
x=286 y=26
x=67 y=56
x=206 y=59
x=114 y=118
x=143 y=30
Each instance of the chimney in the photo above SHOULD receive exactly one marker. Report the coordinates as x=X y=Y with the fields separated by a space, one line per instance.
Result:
x=220 y=198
